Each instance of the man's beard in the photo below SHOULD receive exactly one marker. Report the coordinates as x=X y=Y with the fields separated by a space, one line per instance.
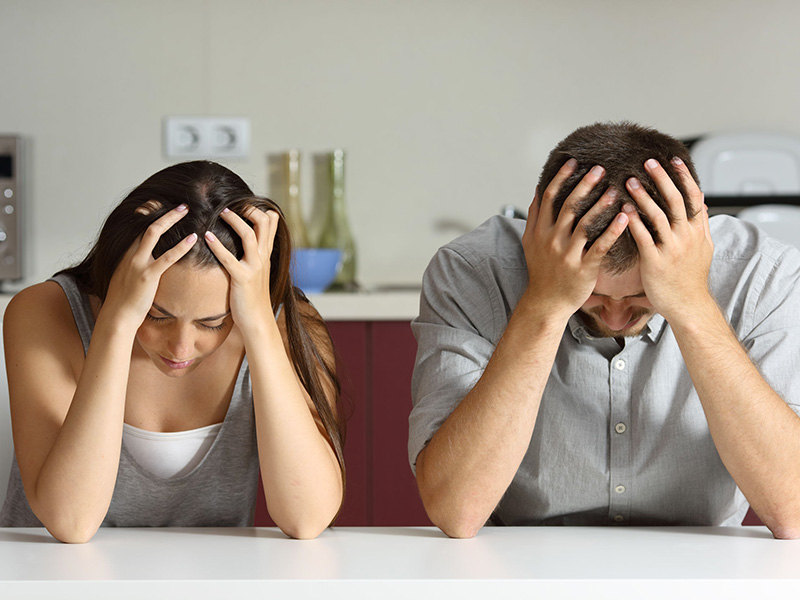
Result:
x=597 y=328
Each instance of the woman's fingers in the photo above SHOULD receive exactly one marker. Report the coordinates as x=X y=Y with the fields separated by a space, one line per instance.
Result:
x=243 y=230
x=224 y=255
x=177 y=252
x=265 y=225
x=156 y=229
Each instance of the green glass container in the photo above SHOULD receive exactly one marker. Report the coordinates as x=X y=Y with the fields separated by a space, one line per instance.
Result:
x=336 y=230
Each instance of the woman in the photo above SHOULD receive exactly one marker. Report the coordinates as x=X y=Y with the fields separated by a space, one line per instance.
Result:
x=152 y=382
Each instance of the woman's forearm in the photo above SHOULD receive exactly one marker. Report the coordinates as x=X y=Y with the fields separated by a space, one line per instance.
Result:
x=72 y=490
x=301 y=476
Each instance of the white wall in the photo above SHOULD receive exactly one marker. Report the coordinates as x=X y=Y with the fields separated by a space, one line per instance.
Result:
x=447 y=108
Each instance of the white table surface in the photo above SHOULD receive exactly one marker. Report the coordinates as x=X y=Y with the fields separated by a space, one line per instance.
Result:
x=348 y=562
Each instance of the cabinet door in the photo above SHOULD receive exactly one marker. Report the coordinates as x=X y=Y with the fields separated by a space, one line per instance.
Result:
x=350 y=342
x=395 y=498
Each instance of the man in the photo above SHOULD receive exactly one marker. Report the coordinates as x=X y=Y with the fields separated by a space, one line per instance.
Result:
x=606 y=362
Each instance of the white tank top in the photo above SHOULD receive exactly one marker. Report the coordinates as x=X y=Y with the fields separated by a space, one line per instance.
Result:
x=169 y=454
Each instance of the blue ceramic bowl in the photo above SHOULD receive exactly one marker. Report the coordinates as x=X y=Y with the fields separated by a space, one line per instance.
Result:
x=314 y=269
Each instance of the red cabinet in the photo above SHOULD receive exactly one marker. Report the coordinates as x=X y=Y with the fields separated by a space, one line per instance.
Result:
x=376 y=359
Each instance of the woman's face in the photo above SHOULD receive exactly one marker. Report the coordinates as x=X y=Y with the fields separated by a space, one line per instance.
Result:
x=189 y=320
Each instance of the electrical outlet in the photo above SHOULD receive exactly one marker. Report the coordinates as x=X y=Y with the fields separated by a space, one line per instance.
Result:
x=206 y=137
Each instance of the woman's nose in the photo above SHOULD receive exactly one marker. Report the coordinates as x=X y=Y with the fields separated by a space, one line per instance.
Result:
x=180 y=344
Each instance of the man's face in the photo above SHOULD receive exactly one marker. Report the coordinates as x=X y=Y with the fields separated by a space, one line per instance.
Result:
x=618 y=306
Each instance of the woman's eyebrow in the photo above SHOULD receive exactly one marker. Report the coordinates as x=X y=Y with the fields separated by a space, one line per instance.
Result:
x=169 y=314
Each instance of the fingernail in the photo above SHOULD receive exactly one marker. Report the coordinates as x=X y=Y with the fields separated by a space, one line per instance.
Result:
x=191 y=239
x=181 y=207
x=597 y=170
x=621 y=218
x=572 y=163
x=226 y=210
x=677 y=161
x=633 y=183
x=210 y=236
x=612 y=193
x=628 y=207
x=651 y=163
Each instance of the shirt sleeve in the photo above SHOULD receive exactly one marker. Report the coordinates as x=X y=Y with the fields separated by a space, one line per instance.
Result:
x=453 y=332
x=773 y=341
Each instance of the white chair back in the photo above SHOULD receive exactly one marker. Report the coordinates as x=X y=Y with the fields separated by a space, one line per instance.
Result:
x=748 y=164
x=781 y=221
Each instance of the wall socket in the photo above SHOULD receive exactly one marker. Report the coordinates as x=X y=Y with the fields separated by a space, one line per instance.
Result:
x=206 y=137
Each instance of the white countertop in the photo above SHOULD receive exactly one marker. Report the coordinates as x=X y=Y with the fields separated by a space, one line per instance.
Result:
x=404 y=563
x=368 y=306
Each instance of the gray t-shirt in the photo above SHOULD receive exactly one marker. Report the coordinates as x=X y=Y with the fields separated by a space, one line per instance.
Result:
x=219 y=492
x=621 y=435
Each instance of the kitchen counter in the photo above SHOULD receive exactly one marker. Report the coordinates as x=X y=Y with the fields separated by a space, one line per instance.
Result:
x=398 y=305
x=368 y=306
x=405 y=563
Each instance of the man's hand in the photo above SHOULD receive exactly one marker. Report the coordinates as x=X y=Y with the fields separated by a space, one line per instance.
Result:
x=675 y=270
x=561 y=272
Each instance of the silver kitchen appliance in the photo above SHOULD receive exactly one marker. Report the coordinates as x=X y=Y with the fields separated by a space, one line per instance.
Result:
x=10 y=213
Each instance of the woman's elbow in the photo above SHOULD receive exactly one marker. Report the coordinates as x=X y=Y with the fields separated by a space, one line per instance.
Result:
x=302 y=531
x=72 y=534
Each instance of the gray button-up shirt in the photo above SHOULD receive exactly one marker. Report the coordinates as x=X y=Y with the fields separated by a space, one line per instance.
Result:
x=621 y=436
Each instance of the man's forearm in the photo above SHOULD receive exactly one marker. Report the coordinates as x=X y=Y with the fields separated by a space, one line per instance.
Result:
x=471 y=460
x=756 y=434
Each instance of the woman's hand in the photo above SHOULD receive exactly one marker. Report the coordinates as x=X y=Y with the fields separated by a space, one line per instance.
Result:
x=135 y=281
x=250 y=298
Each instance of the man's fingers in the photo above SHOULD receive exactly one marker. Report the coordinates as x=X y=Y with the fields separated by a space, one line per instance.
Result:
x=642 y=237
x=648 y=206
x=603 y=244
x=566 y=218
x=533 y=216
x=603 y=203
x=695 y=198
x=546 y=204
x=667 y=188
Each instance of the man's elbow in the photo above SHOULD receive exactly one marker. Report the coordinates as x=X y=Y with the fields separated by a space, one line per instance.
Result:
x=783 y=522
x=784 y=529
x=456 y=519
x=459 y=528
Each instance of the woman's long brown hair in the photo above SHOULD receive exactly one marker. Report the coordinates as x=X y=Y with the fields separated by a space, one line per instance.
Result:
x=207 y=188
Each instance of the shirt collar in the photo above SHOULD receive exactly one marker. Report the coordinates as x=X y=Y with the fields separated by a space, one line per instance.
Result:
x=653 y=330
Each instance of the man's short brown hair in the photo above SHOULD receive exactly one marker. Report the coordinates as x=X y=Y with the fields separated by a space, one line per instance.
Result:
x=621 y=149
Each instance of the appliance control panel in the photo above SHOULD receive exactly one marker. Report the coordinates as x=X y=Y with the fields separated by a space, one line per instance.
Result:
x=10 y=225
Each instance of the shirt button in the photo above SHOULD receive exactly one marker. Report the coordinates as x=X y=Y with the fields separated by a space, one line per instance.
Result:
x=619 y=365
x=620 y=489
x=620 y=428
x=619 y=518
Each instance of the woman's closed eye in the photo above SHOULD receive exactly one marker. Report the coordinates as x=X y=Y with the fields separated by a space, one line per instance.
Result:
x=163 y=320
